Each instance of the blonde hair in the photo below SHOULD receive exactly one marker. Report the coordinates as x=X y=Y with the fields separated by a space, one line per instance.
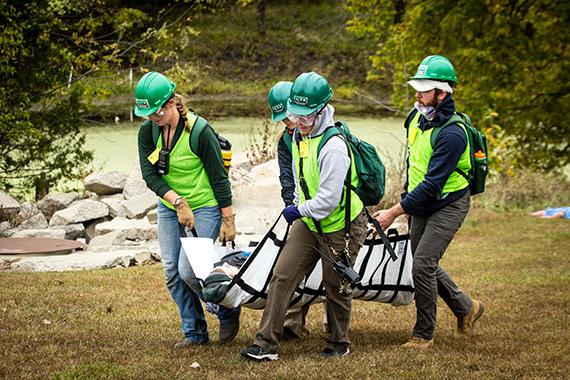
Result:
x=182 y=110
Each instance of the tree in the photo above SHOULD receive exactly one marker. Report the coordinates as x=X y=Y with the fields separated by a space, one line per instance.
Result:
x=47 y=47
x=512 y=61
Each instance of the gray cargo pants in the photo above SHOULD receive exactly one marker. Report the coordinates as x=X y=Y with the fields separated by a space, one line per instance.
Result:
x=430 y=236
x=298 y=258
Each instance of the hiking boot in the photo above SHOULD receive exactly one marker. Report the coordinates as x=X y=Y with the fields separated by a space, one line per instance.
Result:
x=255 y=352
x=187 y=343
x=330 y=353
x=289 y=335
x=466 y=324
x=416 y=342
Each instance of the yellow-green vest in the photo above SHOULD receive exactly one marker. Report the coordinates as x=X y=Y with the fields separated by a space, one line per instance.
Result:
x=419 y=155
x=335 y=220
x=186 y=174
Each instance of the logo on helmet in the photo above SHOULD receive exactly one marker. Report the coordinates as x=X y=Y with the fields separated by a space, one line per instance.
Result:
x=278 y=108
x=142 y=103
x=422 y=69
x=300 y=100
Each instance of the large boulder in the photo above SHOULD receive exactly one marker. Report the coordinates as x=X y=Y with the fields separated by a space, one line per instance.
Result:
x=116 y=204
x=135 y=184
x=106 y=183
x=137 y=207
x=79 y=211
x=8 y=207
x=55 y=202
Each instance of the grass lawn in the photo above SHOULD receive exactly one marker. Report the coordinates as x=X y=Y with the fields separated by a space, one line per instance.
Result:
x=122 y=324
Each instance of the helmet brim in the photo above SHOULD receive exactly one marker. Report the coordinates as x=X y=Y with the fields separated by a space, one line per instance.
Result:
x=279 y=116
x=143 y=112
x=300 y=110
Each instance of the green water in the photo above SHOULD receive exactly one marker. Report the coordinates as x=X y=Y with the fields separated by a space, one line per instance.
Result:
x=115 y=146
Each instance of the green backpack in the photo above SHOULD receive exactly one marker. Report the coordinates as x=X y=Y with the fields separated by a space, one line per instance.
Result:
x=369 y=166
x=477 y=175
x=198 y=124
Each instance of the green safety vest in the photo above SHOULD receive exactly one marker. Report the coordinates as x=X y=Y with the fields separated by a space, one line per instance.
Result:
x=335 y=220
x=186 y=175
x=420 y=151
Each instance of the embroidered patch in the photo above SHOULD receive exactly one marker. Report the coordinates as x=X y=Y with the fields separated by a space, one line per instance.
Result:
x=142 y=103
x=278 y=108
x=300 y=100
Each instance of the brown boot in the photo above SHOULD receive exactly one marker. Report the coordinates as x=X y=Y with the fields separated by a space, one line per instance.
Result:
x=466 y=325
x=416 y=342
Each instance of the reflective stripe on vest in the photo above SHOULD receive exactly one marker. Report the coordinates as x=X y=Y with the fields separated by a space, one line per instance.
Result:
x=186 y=175
x=335 y=220
x=419 y=155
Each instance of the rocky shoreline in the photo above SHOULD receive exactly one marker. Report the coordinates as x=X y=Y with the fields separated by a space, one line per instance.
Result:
x=115 y=219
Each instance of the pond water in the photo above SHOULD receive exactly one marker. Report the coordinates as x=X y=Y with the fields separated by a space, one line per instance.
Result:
x=115 y=145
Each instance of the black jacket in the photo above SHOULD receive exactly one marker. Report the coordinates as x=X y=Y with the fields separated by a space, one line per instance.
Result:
x=449 y=145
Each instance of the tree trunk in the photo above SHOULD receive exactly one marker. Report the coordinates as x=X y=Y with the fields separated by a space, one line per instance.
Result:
x=261 y=16
x=400 y=8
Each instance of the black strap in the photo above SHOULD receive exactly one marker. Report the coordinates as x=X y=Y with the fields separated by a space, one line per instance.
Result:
x=383 y=236
x=305 y=189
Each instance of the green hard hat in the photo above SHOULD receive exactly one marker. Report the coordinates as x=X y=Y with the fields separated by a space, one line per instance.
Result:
x=309 y=93
x=277 y=100
x=436 y=67
x=152 y=91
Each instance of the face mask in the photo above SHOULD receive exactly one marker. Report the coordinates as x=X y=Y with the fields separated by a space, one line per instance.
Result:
x=428 y=112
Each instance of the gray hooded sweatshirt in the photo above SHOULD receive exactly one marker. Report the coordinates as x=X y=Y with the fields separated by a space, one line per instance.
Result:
x=333 y=163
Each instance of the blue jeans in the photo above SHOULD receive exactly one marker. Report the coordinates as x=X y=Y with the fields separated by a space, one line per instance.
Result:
x=184 y=287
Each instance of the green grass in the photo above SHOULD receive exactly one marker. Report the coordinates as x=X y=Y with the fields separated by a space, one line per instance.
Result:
x=122 y=323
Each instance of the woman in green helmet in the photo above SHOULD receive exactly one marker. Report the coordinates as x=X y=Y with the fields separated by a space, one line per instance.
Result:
x=194 y=197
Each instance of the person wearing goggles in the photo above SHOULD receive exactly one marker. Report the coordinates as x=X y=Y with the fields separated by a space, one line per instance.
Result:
x=318 y=222
x=194 y=198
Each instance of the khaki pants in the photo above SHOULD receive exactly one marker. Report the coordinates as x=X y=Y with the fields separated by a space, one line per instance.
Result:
x=299 y=256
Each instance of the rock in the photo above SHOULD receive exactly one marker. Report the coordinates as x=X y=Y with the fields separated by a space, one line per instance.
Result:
x=106 y=240
x=137 y=229
x=82 y=260
x=116 y=204
x=55 y=202
x=41 y=233
x=74 y=231
x=27 y=210
x=6 y=229
x=91 y=225
x=152 y=216
x=8 y=207
x=135 y=184
x=37 y=221
x=106 y=183
x=79 y=211
x=137 y=207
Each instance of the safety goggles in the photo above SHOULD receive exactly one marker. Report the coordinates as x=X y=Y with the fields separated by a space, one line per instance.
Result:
x=158 y=113
x=303 y=120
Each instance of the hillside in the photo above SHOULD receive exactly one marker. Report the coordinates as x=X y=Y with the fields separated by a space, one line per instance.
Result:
x=226 y=66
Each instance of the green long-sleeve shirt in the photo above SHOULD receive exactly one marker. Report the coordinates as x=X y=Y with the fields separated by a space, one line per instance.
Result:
x=208 y=151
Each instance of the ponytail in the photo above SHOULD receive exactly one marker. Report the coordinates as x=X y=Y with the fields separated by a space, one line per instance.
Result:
x=182 y=110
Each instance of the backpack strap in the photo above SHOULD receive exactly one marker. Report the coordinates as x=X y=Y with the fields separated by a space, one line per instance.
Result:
x=155 y=132
x=197 y=126
x=457 y=118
